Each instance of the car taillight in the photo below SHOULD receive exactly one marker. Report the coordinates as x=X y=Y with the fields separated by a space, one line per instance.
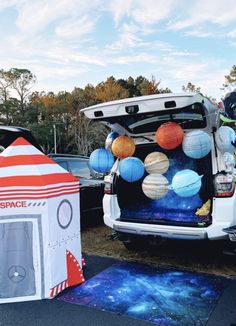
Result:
x=109 y=184
x=224 y=185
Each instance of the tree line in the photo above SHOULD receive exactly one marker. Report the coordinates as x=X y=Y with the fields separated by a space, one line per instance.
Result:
x=44 y=113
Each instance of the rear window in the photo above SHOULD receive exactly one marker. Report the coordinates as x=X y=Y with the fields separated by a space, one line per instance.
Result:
x=63 y=164
x=79 y=169
x=190 y=117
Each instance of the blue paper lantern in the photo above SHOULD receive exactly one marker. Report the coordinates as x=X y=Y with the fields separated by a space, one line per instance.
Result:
x=131 y=169
x=225 y=138
x=110 y=138
x=186 y=183
x=196 y=144
x=101 y=160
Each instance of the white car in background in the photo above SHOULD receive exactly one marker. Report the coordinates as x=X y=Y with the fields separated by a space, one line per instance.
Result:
x=126 y=208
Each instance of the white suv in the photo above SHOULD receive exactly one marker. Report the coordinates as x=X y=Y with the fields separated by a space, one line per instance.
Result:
x=126 y=208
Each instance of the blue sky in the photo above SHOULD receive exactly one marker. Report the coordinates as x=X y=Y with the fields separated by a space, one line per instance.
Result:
x=70 y=43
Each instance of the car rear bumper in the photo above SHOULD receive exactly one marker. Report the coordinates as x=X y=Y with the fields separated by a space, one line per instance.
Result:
x=211 y=232
x=185 y=233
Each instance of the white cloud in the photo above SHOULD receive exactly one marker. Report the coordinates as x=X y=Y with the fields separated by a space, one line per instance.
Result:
x=232 y=33
x=199 y=33
x=70 y=56
x=119 y=8
x=35 y=16
x=144 y=12
x=53 y=50
x=72 y=28
x=185 y=71
x=211 y=82
x=210 y=12
x=151 y=11
x=61 y=72
x=180 y=24
x=183 y=53
x=4 y=4
x=177 y=72
x=127 y=39
x=135 y=58
x=60 y=39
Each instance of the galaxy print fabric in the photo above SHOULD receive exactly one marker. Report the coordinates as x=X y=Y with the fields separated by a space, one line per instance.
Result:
x=161 y=296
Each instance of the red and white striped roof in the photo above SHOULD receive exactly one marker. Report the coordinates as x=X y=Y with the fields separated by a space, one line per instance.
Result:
x=25 y=172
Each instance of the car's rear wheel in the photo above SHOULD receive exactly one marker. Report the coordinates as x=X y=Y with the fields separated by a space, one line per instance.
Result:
x=141 y=243
x=131 y=245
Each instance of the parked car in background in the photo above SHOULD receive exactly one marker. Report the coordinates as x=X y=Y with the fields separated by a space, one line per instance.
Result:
x=8 y=134
x=91 y=183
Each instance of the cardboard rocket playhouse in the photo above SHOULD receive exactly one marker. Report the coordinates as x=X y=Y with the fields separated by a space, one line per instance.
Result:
x=40 y=245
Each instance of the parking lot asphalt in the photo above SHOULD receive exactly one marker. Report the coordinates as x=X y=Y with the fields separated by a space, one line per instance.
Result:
x=58 y=313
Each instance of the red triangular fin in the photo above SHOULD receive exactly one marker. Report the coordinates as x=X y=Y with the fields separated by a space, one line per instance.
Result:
x=74 y=270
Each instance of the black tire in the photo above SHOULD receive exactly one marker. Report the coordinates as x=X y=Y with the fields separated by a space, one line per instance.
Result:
x=229 y=249
x=131 y=245
x=139 y=244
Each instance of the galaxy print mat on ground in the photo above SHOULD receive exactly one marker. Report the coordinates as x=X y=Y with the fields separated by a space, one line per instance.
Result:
x=160 y=296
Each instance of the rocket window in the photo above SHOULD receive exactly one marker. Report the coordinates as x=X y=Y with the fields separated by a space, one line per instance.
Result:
x=64 y=214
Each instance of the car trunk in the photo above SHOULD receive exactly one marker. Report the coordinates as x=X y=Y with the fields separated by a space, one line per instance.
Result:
x=171 y=209
x=140 y=118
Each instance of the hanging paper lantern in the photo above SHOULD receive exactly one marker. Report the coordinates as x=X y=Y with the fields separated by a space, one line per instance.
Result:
x=225 y=138
x=156 y=162
x=196 y=144
x=101 y=160
x=131 y=169
x=123 y=146
x=186 y=183
x=169 y=135
x=155 y=186
x=110 y=138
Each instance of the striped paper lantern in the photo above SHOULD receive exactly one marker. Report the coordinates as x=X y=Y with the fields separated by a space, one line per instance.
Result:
x=156 y=162
x=155 y=186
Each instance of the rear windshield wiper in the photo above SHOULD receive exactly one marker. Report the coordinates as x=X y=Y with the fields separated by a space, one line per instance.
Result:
x=143 y=137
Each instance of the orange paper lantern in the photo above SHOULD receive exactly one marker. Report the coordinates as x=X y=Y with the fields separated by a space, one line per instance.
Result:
x=123 y=146
x=169 y=135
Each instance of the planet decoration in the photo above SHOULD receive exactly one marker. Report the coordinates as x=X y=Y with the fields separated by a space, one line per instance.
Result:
x=131 y=169
x=196 y=144
x=186 y=183
x=169 y=135
x=110 y=138
x=225 y=138
x=155 y=186
x=123 y=147
x=156 y=162
x=101 y=160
